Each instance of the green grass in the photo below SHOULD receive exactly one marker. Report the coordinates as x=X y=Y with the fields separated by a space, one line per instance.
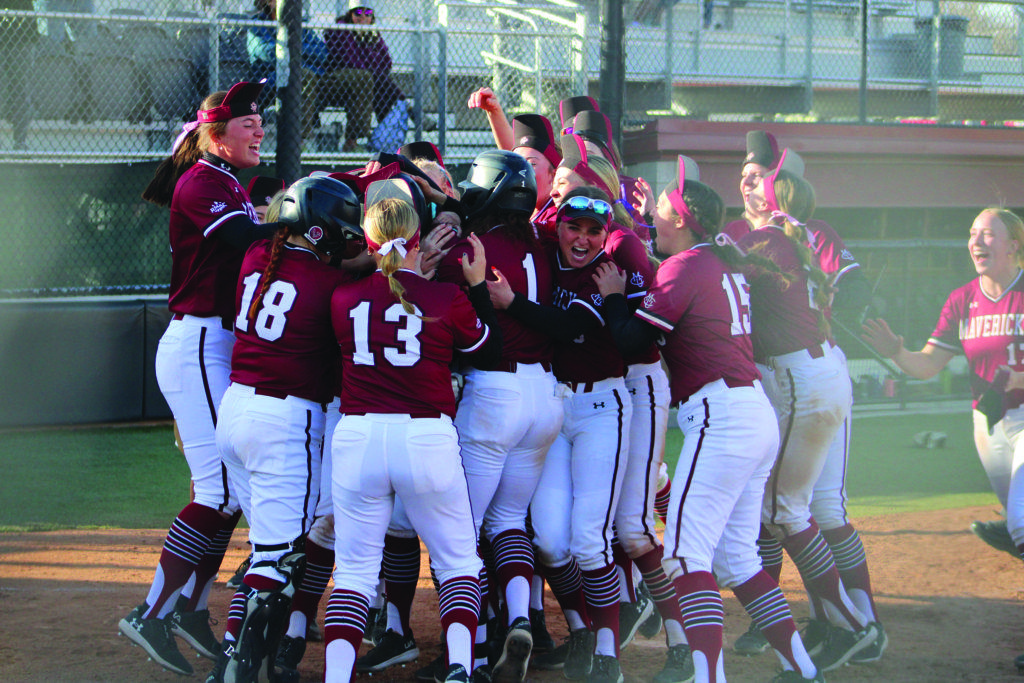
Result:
x=134 y=477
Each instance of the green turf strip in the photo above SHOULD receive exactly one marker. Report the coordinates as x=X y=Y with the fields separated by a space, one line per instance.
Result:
x=134 y=477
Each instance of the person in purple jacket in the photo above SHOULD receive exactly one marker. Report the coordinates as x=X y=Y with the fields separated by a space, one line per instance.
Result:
x=366 y=52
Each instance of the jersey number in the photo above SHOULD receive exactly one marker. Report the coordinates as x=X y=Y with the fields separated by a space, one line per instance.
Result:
x=273 y=311
x=407 y=335
x=735 y=286
x=531 y=278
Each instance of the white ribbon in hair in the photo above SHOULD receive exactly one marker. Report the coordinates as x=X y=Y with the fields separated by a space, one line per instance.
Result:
x=398 y=244
x=722 y=240
x=783 y=214
x=186 y=128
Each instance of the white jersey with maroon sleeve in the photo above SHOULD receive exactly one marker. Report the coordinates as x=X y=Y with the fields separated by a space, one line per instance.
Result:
x=528 y=271
x=204 y=270
x=990 y=332
x=783 y=318
x=396 y=362
x=702 y=306
x=287 y=346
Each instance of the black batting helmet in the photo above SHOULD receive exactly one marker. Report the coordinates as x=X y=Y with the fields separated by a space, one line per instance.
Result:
x=323 y=210
x=499 y=180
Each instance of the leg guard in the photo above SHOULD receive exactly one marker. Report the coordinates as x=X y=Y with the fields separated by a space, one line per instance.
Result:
x=265 y=620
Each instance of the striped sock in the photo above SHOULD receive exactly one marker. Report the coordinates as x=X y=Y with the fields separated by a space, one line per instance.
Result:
x=513 y=559
x=703 y=612
x=661 y=501
x=852 y=563
x=811 y=555
x=345 y=621
x=566 y=584
x=769 y=549
x=401 y=575
x=624 y=571
x=601 y=589
x=209 y=565
x=767 y=606
x=188 y=539
x=319 y=565
x=459 y=603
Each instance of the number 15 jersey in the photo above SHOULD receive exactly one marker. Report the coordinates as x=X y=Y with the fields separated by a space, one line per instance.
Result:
x=703 y=308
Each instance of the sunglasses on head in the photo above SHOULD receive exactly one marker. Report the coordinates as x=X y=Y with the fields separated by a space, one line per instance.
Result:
x=363 y=10
x=598 y=206
x=568 y=130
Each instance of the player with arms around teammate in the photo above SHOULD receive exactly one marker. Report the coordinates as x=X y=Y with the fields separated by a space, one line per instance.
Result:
x=576 y=498
x=507 y=416
x=982 y=320
x=212 y=223
x=271 y=427
x=811 y=393
x=397 y=334
x=699 y=302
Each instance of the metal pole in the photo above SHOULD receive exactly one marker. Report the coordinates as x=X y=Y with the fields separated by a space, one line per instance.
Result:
x=442 y=87
x=809 y=56
x=933 y=74
x=289 y=89
x=862 y=89
x=613 y=79
x=669 y=52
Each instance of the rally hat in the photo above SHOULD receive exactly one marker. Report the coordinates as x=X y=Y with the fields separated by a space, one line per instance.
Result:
x=242 y=100
x=571 y=106
x=536 y=132
x=262 y=189
x=762 y=148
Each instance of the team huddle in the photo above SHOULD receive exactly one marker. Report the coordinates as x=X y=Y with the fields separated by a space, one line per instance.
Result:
x=369 y=359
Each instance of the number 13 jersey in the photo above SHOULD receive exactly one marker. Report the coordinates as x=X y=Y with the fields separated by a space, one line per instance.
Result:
x=396 y=362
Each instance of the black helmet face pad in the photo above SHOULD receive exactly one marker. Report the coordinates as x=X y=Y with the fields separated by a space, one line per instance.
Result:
x=323 y=210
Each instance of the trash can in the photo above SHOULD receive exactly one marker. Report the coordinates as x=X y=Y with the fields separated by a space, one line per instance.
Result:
x=952 y=35
x=894 y=56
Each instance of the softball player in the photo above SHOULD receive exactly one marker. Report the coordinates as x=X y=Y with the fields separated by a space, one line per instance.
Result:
x=647 y=385
x=397 y=333
x=212 y=223
x=573 y=508
x=851 y=295
x=811 y=393
x=509 y=416
x=982 y=319
x=271 y=427
x=698 y=300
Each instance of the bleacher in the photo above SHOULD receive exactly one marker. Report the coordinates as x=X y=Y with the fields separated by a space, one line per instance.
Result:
x=120 y=91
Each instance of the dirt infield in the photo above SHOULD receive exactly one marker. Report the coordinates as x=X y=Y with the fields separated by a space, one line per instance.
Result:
x=951 y=606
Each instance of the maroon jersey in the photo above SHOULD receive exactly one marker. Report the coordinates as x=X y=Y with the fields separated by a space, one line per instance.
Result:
x=593 y=356
x=736 y=229
x=629 y=254
x=545 y=223
x=990 y=332
x=834 y=259
x=783 y=318
x=394 y=362
x=204 y=270
x=703 y=308
x=528 y=271
x=287 y=346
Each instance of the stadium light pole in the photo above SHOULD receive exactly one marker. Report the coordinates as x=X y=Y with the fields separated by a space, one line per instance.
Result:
x=289 y=89
x=613 y=61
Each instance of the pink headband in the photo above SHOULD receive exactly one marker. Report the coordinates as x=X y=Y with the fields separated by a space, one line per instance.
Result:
x=687 y=170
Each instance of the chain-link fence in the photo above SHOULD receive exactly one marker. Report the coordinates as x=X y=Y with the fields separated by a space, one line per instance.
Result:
x=93 y=92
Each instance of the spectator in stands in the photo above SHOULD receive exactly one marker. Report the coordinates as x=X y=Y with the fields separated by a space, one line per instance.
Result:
x=17 y=36
x=362 y=52
x=261 y=46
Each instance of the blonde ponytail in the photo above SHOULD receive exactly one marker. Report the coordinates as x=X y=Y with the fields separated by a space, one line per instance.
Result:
x=387 y=220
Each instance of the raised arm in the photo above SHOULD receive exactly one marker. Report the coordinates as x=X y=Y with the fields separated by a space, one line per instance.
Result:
x=923 y=364
x=485 y=99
